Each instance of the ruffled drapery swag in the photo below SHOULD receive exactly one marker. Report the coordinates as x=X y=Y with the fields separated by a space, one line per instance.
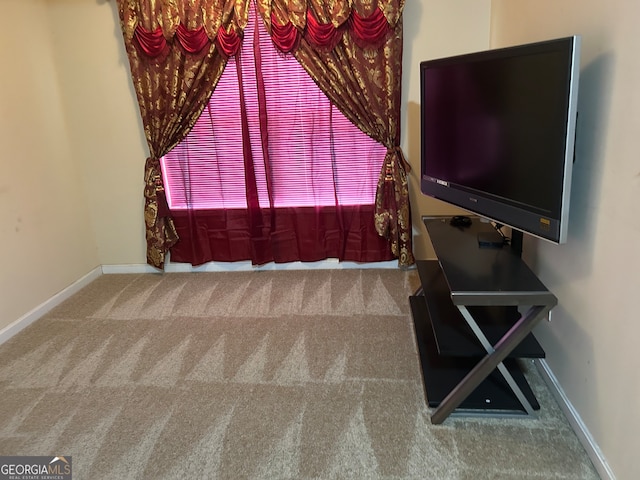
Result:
x=352 y=49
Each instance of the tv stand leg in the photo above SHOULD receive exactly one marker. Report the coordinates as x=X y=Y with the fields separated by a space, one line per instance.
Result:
x=503 y=370
x=490 y=362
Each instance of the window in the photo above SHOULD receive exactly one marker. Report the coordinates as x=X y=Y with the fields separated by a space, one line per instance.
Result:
x=316 y=157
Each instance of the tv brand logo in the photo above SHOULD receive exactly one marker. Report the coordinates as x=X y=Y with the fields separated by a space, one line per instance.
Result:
x=35 y=468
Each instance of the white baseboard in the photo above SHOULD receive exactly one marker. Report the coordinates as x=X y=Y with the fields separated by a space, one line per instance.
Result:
x=582 y=432
x=30 y=317
x=245 y=266
x=129 y=268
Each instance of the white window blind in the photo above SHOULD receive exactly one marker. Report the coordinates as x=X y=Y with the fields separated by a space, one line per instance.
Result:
x=315 y=154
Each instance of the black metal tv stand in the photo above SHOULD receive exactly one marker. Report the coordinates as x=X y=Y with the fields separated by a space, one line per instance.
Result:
x=473 y=318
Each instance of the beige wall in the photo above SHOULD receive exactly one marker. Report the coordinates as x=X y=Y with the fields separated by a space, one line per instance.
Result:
x=592 y=340
x=45 y=234
x=71 y=182
x=105 y=130
x=432 y=29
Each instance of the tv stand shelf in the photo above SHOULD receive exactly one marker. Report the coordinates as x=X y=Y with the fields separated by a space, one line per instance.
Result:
x=468 y=324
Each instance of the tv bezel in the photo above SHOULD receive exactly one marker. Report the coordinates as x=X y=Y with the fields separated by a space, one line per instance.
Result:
x=521 y=218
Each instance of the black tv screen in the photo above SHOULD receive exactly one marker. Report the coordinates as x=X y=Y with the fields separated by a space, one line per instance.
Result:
x=497 y=133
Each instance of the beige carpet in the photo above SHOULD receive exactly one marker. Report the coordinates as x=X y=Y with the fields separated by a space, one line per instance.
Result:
x=254 y=375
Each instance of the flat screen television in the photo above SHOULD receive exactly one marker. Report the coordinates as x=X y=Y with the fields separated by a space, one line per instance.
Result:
x=498 y=131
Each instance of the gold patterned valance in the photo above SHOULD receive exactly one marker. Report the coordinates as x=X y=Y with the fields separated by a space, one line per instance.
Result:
x=337 y=12
x=167 y=15
x=194 y=24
